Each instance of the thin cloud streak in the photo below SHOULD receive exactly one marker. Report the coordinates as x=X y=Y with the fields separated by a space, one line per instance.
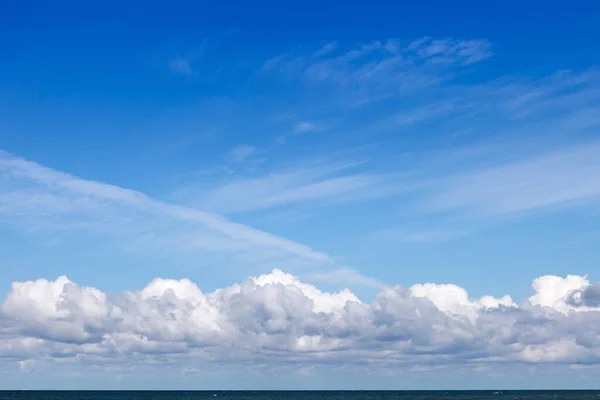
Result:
x=558 y=179
x=326 y=184
x=58 y=192
x=377 y=70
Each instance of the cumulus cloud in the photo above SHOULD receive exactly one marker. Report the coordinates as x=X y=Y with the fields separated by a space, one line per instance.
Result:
x=586 y=296
x=277 y=319
x=557 y=293
x=453 y=299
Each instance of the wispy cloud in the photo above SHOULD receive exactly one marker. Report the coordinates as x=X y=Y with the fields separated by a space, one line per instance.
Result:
x=445 y=118
x=307 y=127
x=241 y=152
x=35 y=195
x=451 y=51
x=566 y=177
x=378 y=69
x=325 y=49
x=472 y=194
x=183 y=64
x=409 y=234
x=303 y=127
x=187 y=63
x=323 y=183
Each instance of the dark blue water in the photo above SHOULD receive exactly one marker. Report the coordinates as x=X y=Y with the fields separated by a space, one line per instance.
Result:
x=301 y=395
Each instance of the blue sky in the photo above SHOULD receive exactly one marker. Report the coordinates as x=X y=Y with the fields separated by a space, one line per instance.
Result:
x=353 y=146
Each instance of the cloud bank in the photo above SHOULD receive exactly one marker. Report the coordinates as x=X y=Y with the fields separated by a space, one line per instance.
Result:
x=276 y=319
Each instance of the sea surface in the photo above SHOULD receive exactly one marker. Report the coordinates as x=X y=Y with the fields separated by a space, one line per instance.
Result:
x=301 y=395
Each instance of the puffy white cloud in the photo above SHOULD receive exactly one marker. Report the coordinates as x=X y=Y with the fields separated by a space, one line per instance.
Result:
x=553 y=291
x=322 y=301
x=453 y=299
x=278 y=319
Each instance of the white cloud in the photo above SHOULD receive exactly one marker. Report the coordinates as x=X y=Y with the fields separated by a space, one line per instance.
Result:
x=322 y=301
x=380 y=69
x=553 y=291
x=33 y=195
x=241 y=152
x=276 y=319
x=307 y=126
x=181 y=66
x=455 y=300
x=322 y=183
x=373 y=61
x=407 y=234
x=566 y=177
x=450 y=51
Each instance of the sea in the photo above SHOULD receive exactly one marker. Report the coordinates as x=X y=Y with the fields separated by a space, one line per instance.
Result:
x=303 y=395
